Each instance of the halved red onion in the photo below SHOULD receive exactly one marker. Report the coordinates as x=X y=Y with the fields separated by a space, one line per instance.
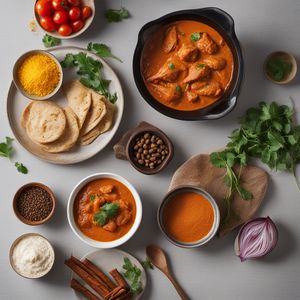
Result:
x=256 y=238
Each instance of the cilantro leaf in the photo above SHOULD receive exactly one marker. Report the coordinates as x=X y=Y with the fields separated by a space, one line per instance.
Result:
x=21 y=168
x=147 y=264
x=101 y=50
x=6 y=148
x=107 y=211
x=92 y=197
x=171 y=66
x=90 y=71
x=133 y=274
x=116 y=15
x=195 y=36
x=50 y=41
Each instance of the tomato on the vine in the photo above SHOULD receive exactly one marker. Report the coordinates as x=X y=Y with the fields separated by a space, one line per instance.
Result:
x=77 y=25
x=74 y=2
x=43 y=8
x=74 y=13
x=61 y=17
x=86 y=12
x=48 y=24
x=65 y=29
x=60 y=4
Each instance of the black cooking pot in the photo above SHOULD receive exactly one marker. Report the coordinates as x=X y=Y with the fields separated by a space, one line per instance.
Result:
x=224 y=24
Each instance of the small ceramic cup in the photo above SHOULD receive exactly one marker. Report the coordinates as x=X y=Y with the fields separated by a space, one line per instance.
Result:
x=18 y=193
x=12 y=250
x=170 y=195
x=286 y=57
x=130 y=151
x=18 y=84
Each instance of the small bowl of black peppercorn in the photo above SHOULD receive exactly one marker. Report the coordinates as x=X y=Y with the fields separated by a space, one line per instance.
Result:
x=34 y=203
x=149 y=151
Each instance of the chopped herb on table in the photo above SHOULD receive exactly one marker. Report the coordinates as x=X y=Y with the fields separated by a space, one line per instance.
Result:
x=50 y=41
x=266 y=132
x=101 y=50
x=6 y=148
x=116 y=15
x=90 y=73
x=107 y=211
x=278 y=69
x=21 y=168
x=147 y=264
x=133 y=274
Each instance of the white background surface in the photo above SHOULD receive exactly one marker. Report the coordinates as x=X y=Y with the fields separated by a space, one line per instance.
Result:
x=211 y=272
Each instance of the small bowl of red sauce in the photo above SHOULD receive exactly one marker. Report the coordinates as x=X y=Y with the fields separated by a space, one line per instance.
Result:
x=189 y=217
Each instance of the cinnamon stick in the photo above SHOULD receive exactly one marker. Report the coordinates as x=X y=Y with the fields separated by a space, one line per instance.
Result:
x=91 y=272
x=75 y=285
x=118 y=291
x=100 y=274
x=86 y=277
x=119 y=278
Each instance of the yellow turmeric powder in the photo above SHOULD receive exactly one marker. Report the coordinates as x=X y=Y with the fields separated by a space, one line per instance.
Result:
x=39 y=75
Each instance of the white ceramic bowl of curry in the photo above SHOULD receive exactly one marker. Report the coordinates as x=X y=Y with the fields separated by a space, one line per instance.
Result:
x=104 y=210
x=188 y=216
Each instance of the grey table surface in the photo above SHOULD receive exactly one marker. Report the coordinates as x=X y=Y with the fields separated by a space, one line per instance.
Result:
x=213 y=271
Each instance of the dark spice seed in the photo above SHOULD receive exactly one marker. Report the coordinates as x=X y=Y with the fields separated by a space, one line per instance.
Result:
x=34 y=204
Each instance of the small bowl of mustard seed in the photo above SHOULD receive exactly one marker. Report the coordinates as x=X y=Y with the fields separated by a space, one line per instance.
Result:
x=149 y=151
x=34 y=203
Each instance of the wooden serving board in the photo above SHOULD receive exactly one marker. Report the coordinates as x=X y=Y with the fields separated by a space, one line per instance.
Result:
x=198 y=171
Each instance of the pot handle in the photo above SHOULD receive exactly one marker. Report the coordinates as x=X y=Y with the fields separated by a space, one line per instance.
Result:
x=220 y=16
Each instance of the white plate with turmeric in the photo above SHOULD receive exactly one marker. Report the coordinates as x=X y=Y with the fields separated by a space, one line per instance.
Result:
x=76 y=123
x=105 y=263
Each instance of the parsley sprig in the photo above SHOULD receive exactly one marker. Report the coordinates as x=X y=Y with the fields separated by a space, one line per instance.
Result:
x=102 y=50
x=107 y=211
x=266 y=132
x=50 y=41
x=116 y=15
x=90 y=71
x=133 y=274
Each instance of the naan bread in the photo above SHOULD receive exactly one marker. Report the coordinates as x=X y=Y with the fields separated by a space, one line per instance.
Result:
x=96 y=113
x=79 y=99
x=45 y=123
x=70 y=136
x=102 y=127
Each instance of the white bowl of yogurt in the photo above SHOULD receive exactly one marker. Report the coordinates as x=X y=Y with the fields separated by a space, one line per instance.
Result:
x=31 y=256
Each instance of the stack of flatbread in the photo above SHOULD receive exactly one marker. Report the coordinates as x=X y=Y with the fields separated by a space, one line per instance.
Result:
x=57 y=129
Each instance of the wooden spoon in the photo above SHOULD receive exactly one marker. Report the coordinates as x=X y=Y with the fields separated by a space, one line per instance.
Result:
x=159 y=259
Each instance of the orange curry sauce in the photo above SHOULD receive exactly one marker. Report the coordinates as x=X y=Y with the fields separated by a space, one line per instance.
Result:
x=188 y=217
x=89 y=201
x=184 y=74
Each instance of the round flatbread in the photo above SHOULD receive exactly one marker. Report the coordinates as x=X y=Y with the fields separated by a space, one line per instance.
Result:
x=25 y=114
x=96 y=113
x=70 y=136
x=102 y=127
x=79 y=99
x=46 y=122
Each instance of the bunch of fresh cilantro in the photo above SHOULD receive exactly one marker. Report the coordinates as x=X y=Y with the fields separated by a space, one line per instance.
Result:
x=266 y=132
x=90 y=71
x=133 y=274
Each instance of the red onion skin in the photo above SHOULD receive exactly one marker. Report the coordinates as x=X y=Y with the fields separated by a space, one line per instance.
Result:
x=262 y=219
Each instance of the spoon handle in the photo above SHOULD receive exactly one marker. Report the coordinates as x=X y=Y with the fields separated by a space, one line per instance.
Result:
x=178 y=288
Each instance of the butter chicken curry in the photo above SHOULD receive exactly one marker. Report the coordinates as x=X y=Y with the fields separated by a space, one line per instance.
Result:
x=104 y=210
x=187 y=65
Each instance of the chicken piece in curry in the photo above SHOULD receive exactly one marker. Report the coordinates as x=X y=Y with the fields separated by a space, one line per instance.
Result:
x=187 y=65
x=104 y=210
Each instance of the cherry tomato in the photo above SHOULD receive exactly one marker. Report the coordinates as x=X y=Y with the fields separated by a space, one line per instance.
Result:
x=74 y=2
x=77 y=25
x=65 y=29
x=61 y=17
x=48 y=24
x=74 y=13
x=60 y=4
x=86 y=12
x=43 y=8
